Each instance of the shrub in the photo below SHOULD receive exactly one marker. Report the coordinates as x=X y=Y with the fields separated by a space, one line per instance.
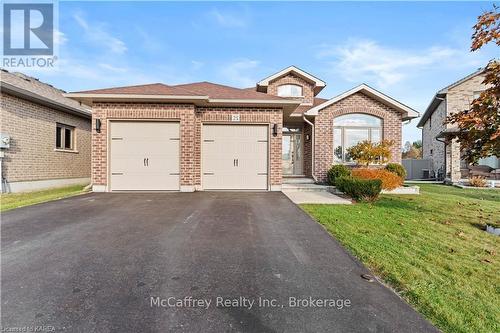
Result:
x=390 y=181
x=367 y=152
x=360 y=189
x=337 y=171
x=477 y=181
x=396 y=168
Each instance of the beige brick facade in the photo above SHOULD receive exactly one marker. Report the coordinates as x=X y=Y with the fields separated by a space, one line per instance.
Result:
x=458 y=98
x=431 y=148
x=356 y=103
x=191 y=119
x=32 y=155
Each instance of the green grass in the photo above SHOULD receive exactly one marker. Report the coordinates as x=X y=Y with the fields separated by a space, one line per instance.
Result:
x=431 y=249
x=16 y=200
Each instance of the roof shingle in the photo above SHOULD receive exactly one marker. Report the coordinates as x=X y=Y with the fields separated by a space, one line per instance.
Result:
x=212 y=90
x=143 y=89
x=219 y=91
x=33 y=86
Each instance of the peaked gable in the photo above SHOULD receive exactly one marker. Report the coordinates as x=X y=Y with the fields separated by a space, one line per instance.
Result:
x=408 y=113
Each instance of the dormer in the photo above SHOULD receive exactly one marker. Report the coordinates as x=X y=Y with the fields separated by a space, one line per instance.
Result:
x=293 y=83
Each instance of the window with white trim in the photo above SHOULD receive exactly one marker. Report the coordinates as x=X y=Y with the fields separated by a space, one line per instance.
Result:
x=350 y=129
x=290 y=90
x=65 y=137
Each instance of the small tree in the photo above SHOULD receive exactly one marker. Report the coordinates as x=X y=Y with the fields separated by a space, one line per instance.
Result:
x=367 y=152
x=412 y=150
x=479 y=126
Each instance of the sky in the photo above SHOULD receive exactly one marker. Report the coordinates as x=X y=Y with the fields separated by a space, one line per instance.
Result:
x=407 y=50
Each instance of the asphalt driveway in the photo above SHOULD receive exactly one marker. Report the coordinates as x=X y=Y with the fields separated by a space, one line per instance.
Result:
x=152 y=262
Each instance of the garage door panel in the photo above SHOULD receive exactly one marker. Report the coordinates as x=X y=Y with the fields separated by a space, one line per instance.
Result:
x=144 y=156
x=222 y=145
x=150 y=182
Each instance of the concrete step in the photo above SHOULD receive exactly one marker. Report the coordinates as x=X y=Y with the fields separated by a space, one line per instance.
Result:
x=298 y=180
x=307 y=188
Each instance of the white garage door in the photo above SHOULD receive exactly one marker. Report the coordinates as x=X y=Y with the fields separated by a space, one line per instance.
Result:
x=234 y=157
x=144 y=156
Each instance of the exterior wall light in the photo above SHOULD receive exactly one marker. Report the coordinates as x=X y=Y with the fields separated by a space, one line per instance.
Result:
x=98 y=125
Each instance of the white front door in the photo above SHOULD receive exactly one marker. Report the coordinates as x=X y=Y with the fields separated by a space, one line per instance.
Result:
x=234 y=157
x=144 y=156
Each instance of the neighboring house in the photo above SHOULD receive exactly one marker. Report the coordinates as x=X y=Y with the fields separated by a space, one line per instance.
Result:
x=206 y=136
x=49 y=135
x=444 y=153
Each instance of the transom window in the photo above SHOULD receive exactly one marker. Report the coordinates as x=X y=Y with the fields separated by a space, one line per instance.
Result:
x=65 y=137
x=290 y=90
x=350 y=129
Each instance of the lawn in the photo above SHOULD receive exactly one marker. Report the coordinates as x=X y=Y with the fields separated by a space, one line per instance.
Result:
x=431 y=249
x=15 y=200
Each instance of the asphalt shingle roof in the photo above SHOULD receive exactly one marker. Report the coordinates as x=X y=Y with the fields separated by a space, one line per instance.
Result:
x=33 y=86
x=212 y=90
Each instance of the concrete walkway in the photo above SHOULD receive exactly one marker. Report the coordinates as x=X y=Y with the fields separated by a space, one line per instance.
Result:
x=315 y=197
x=310 y=193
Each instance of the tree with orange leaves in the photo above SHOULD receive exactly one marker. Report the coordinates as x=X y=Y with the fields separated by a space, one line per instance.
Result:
x=479 y=127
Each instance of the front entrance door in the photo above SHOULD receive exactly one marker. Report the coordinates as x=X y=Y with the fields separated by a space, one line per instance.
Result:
x=292 y=155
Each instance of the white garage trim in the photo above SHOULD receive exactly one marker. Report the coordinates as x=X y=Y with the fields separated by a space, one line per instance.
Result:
x=160 y=169
x=243 y=154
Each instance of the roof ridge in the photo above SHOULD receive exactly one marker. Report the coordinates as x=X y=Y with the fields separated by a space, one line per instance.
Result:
x=226 y=86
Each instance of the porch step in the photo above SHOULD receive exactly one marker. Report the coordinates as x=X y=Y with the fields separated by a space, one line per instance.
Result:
x=304 y=187
x=298 y=180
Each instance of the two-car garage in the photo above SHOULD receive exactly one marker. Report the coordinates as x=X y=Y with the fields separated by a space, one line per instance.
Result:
x=145 y=156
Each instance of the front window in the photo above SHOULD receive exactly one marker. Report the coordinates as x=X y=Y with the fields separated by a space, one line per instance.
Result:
x=290 y=90
x=349 y=130
x=65 y=137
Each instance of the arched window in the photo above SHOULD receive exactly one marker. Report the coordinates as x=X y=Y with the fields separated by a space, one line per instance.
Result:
x=290 y=90
x=350 y=129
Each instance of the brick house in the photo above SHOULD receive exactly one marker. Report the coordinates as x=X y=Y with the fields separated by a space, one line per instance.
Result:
x=445 y=154
x=50 y=135
x=206 y=136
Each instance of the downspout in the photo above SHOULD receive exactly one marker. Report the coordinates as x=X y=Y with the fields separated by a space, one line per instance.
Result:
x=444 y=140
x=312 y=146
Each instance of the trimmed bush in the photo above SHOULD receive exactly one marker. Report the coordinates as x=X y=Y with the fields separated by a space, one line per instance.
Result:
x=337 y=171
x=396 y=168
x=360 y=189
x=477 y=181
x=390 y=181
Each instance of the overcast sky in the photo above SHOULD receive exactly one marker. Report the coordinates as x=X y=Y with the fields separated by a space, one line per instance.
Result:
x=406 y=50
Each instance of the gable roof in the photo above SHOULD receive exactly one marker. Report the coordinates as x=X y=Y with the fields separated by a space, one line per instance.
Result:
x=441 y=94
x=199 y=93
x=318 y=84
x=30 y=88
x=408 y=113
